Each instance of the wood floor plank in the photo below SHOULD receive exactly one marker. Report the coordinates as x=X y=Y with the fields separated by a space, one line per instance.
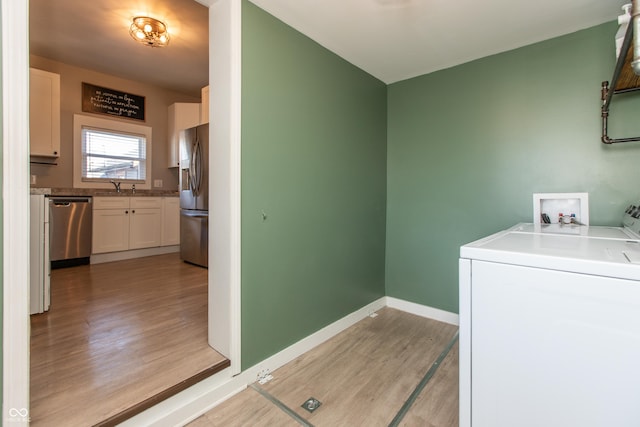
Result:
x=437 y=405
x=117 y=334
x=247 y=408
x=365 y=373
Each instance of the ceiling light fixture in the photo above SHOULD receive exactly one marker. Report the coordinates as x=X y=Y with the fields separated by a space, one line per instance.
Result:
x=149 y=31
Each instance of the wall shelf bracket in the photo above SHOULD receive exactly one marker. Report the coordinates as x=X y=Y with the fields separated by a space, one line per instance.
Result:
x=623 y=80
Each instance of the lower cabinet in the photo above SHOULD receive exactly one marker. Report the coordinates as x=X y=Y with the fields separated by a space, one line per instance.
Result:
x=145 y=226
x=122 y=223
x=170 y=221
x=110 y=228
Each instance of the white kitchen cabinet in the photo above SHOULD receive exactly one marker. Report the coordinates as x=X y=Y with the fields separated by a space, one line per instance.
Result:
x=39 y=260
x=123 y=223
x=110 y=230
x=170 y=221
x=204 y=109
x=145 y=222
x=182 y=115
x=44 y=113
x=110 y=224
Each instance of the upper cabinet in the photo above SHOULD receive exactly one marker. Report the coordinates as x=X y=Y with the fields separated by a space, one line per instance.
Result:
x=182 y=115
x=44 y=113
x=204 y=110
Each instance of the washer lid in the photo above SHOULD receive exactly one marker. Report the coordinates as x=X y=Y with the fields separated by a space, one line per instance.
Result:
x=580 y=254
x=577 y=230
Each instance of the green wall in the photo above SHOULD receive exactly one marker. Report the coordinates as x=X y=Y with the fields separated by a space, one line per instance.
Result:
x=314 y=161
x=468 y=146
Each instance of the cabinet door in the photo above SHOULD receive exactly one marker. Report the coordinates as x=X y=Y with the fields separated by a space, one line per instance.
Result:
x=182 y=116
x=204 y=109
x=44 y=113
x=170 y=221
x=145 y=226
x=110 y=230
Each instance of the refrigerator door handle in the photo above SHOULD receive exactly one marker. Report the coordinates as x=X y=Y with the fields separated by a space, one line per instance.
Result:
x=192 y=170
x=199 y=168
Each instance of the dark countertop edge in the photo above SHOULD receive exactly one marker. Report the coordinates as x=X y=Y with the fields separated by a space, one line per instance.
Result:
x=100 y=192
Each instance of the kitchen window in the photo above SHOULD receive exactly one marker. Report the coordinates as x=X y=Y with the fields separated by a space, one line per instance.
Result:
x=107 y=150
x=108 y=155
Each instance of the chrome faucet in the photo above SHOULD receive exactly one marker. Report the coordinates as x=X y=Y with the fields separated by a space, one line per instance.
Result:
x=116 y=184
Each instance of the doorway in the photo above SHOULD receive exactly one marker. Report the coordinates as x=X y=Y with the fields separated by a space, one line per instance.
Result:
x=223 y=278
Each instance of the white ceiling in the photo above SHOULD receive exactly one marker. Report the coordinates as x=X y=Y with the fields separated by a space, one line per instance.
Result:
x=395 y=40
x=94 y=34
x=390 y=39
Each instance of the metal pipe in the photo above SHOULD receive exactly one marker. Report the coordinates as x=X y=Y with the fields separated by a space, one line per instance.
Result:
x=605 y=121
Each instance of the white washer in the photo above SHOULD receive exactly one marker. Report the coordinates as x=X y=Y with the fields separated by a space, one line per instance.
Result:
x=550 y=327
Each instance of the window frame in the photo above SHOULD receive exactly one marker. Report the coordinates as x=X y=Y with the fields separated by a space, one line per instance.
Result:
x=79 y=122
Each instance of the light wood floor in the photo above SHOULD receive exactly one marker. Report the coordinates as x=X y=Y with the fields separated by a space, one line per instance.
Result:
x=362 y=377
x=116 y=334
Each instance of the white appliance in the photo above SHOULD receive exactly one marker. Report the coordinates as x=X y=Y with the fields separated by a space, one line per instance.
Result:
x=550 y=326
x=40 y=266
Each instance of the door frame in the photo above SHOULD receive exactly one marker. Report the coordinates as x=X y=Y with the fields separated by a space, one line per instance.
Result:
x=224 y=230
x=15 y=205
x=225 y=111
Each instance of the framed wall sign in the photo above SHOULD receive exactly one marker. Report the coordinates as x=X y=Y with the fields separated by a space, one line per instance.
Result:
x=102 y=100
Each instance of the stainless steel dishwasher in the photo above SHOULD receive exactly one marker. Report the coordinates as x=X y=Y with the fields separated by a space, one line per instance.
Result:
x=69 y=230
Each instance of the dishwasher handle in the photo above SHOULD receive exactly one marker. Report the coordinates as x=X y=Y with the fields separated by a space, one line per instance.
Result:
x=65 y=202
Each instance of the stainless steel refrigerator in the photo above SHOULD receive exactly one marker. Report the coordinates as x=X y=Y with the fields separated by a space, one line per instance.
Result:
x=194 y=195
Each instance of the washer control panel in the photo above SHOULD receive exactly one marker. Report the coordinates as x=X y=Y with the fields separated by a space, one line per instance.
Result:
x=631 y=218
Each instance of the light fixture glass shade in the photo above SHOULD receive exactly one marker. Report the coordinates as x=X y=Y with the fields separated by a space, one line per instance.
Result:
x=149 y=31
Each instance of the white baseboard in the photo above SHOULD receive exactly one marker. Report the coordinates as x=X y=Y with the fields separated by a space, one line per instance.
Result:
x=134 y=253
x=207 y=394
x=288 y=354
x=423 y=311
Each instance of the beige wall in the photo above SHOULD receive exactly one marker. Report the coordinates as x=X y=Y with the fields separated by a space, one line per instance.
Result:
x=157 y=100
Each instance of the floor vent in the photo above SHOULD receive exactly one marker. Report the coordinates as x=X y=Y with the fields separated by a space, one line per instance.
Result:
x=311 y=404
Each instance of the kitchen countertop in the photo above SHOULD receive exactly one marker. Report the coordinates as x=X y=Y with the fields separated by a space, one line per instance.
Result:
x=101 y=192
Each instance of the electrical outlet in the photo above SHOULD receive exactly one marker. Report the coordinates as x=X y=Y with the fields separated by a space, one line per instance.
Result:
x=157 y=183
x=33 y=180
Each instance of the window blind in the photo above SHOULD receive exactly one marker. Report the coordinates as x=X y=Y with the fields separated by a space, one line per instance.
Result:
x=113 y=155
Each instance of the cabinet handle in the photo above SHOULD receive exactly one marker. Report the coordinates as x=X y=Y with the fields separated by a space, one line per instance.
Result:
x=133 y=211
x=126 y=212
